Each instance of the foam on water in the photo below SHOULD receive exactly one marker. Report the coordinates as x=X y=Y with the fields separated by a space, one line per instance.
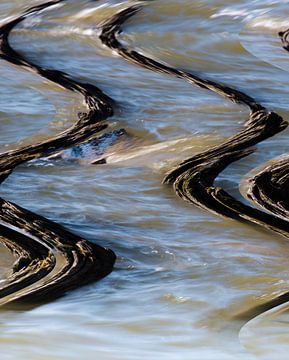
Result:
x=83 y=14
x=269 y=22
x=244 y=14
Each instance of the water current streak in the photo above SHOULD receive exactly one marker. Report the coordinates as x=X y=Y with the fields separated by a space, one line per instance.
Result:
x=194 y=178
x=51 y=260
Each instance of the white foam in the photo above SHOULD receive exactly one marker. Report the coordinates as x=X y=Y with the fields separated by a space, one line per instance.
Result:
x=236 y=14
x=55 y=6
x=60 y=31
x=143 y=151
x=269 y=23
x=88 y=12
x=255 y=17
x=77 y=30
x=7 y=20
x=239 y=13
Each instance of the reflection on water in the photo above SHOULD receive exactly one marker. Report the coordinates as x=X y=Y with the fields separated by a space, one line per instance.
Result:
x=182 y=274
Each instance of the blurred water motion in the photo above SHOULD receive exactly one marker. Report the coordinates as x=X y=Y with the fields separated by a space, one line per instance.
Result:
x=182 y=273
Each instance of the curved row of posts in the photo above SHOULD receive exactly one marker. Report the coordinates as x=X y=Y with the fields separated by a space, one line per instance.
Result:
x=193 y=179
x=50 y=259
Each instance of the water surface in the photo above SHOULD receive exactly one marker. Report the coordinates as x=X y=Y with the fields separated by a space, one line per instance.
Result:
x=182 y=274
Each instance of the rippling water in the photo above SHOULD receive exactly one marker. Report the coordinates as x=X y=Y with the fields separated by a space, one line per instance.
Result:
x=182 y=274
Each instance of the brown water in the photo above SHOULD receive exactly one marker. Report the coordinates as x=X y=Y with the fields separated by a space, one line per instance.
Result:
x=182 y=274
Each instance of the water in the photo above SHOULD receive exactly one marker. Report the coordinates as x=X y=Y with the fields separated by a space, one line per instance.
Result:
x=182 y=274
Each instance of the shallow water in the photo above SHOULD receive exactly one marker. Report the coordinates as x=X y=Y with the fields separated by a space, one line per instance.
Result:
x=182 y=274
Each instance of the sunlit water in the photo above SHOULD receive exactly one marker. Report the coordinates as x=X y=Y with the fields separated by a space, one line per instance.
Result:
x=182 y=274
